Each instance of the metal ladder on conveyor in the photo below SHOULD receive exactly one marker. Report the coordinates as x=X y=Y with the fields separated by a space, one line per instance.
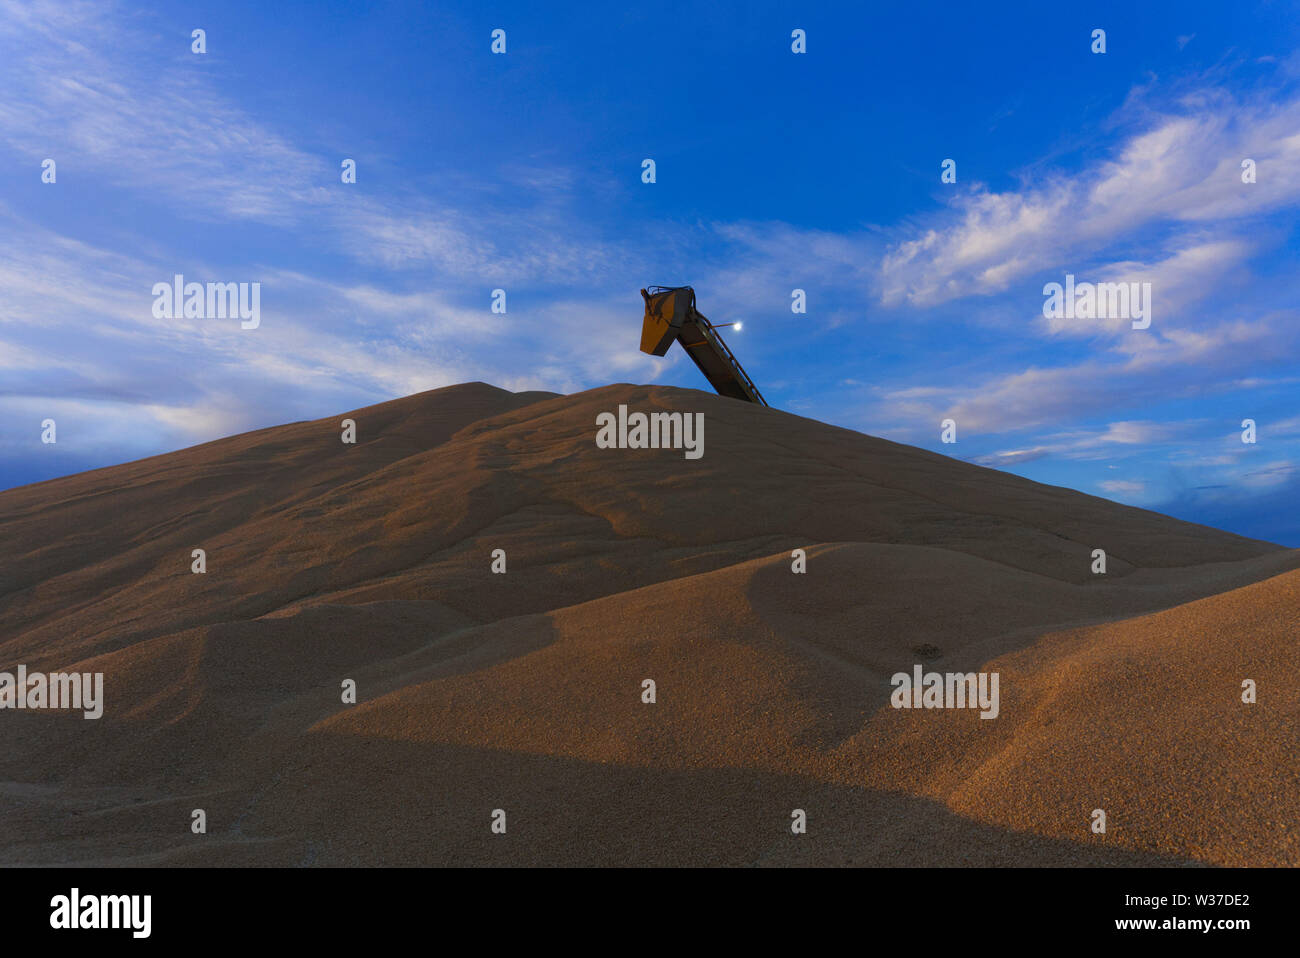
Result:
x=670 y=314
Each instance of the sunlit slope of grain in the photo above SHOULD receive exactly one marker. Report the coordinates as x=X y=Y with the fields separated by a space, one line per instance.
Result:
x=371 y=563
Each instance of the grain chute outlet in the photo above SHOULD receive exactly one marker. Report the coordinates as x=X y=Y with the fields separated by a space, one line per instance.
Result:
x=670 y=315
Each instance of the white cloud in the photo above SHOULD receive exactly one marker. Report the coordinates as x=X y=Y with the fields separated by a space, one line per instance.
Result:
x=1122 y=486
x=1136 y=433
x=1178 y=281
x=1136 y=371
x=1091 y=443
x=1185 y=168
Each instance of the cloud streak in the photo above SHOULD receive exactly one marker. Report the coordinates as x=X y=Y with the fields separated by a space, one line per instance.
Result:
x=1184 y=171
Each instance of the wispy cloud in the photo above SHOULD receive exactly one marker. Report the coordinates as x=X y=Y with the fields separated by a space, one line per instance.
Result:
x=1122 y=486
x=1091 y=444
x=1184 y=169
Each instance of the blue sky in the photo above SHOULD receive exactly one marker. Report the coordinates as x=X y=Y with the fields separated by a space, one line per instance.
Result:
x=775 y=171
